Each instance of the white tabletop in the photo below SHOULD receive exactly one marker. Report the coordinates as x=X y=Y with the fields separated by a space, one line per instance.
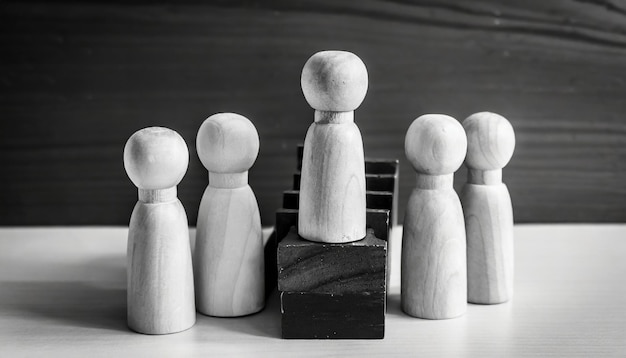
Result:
x=62 y=293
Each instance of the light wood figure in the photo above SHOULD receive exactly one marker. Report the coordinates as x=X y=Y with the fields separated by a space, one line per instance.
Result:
x=488 y=211
x=228 y=257
x=332 y=187
x=159 y=269
x=433 y=267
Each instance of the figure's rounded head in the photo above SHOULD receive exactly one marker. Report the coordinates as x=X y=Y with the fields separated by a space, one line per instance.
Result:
x=156 y=158
x=490 y=141
x=435 y=144
x=227 y=143
x=334 y=81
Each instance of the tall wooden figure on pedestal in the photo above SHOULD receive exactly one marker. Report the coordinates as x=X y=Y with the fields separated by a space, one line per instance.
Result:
x=160 y=276
x=332 y=188
x=434 y=273
x=488 y=210
x=228 y=257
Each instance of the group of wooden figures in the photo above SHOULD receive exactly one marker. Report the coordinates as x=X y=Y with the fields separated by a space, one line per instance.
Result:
x=329 y=252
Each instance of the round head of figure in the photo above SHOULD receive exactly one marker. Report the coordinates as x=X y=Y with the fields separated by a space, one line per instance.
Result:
x=490 y=141
x=156 y=158
x=435 y=144
x=227 y=143
x=334 y=81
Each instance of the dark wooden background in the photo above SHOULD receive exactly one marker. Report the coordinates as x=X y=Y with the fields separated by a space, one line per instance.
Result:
x=77 y=78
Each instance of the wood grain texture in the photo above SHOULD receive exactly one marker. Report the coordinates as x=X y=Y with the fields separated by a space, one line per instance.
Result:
x=332 y=290
x=379 y=213
x=227 y=143
x=490 y=246
x=434 y=281
x=355 y=267
x=160 y=291
x=160 y=288
x=490 y=141
x=487 y=209
x=384 y=176
x=229 y=256
x=334 y=81
x=156 y=158
x=380 y=175
x=76 y=78
x=332 y=188
x=228 y=259
x=332 y=182
x=434 y=272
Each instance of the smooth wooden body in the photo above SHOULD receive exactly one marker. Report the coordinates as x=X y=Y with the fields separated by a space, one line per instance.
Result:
x=433 y=274
x=160 y=288
x=490 y=248
x=332 y=189
x=229 y=257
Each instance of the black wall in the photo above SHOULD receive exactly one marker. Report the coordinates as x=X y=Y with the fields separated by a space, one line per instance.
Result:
x=78 y=78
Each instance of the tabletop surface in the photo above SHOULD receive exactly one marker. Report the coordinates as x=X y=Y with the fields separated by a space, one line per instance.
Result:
x=62 y=293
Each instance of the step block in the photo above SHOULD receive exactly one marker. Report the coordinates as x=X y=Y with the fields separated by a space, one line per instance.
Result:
x=356 y=267
x=308 y=315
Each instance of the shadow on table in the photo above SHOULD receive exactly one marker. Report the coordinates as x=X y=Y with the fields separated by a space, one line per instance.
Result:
x=94 y=297
x=80 y=304
x=89 y=294
x=263 y=324
x=394 y=305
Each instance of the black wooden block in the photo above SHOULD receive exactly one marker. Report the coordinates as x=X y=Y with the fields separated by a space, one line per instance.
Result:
x=285 y=219
x=332 y=291
x=380 y=182
x=381 y=166
x=387 y=167
x=291 y=199
x=379 y=221
x=379 y=200
x=341 y=316
x=270 y=255
x=355 y=267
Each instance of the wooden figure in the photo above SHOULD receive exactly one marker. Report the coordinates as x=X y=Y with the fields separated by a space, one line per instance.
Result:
x=332 y=188
x=487 y=207
x=336 y=290
x=229 y=254
x=159 y=269
x=433 y=267
x=380 y=175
